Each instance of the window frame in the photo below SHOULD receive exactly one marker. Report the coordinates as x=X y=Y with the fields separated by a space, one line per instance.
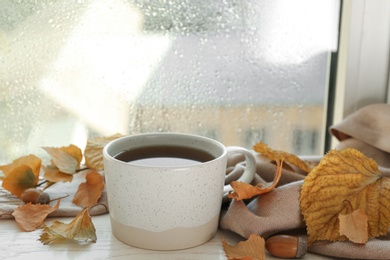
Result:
x=362 y=70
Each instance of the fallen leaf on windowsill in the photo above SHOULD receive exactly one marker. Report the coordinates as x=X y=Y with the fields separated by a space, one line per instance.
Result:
x=251 y=249
x=31 y=216
x=89 y=192
x=80 y=229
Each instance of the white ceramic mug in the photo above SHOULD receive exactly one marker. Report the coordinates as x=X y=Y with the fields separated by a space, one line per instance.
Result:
x=168 y=207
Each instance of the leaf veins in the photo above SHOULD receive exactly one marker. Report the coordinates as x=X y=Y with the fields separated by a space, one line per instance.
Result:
x=341 y=176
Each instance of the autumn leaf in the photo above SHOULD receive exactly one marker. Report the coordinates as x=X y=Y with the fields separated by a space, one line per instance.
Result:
x=31 y=216
x=242 y=190
x=53 y=174
x=67 y=159
x=342 y=176
x=19 y=179
x=93 y=151
x=21 y=174
x=354 y=226
x=80 y=229
x=89 y=192
x=30 y=160
x=281 y=156
x=253 y=248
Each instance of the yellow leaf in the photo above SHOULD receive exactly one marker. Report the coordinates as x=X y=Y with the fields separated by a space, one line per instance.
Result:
x=66 y=159
x=341 y=176
x=253 y=248
x=80 y=229
x=281 y=156
x=89 y=192
x=19 y=179
x=93 y=151
x=31 y=216
x=355 y=226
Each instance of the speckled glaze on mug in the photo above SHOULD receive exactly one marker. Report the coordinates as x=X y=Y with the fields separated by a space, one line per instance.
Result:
x=166 y=207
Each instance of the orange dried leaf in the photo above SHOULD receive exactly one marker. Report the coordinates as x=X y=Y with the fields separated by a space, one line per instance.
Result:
x=31 y=216
x=66 y=159
x=355 y=226
x=19 y=179
x=242 y=190
x=74 y=151
x=279 y=156
x=341 y=176
x=253 y=248
x=80 y=229
x=89 y=192
x=53 y=174
x=30 y=160
x=93 y=151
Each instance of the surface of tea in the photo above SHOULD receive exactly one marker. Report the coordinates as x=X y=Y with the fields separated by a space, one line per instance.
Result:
x=164 y=156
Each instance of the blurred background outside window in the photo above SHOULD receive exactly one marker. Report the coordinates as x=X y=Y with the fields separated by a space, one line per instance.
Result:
x=237 y=71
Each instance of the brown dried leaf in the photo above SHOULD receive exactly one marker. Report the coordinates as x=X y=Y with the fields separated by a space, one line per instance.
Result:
x=93 y=151
x=355 y=226
x=89 y=192
x=80 y=229
x=74 y=151
x=253 y=248
x=31 y=216
x=341 y=176
x=66 y=159
x=281 y=156
x=53 y=174
x=242 y=190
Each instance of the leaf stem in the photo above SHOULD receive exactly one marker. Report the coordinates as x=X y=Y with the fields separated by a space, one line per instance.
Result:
x=82 y=169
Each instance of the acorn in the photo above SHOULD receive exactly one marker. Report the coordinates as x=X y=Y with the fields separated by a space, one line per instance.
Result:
x=35 y=196
x=286 y=246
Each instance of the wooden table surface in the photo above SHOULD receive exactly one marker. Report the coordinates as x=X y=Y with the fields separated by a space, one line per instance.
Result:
x=16 y=244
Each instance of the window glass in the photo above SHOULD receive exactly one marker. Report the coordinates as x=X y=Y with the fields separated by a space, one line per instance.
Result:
x=237 y=71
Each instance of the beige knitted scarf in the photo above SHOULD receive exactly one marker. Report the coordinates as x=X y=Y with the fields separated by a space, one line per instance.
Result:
x=278 y=212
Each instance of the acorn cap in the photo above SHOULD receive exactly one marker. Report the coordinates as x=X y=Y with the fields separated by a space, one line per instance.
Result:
x=370 y=124
x=302 y=247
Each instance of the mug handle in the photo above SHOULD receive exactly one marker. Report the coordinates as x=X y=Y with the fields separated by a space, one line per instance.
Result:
x=250 y=168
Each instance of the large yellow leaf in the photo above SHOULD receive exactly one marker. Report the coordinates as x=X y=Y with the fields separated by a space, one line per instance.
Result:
x=344 y=181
